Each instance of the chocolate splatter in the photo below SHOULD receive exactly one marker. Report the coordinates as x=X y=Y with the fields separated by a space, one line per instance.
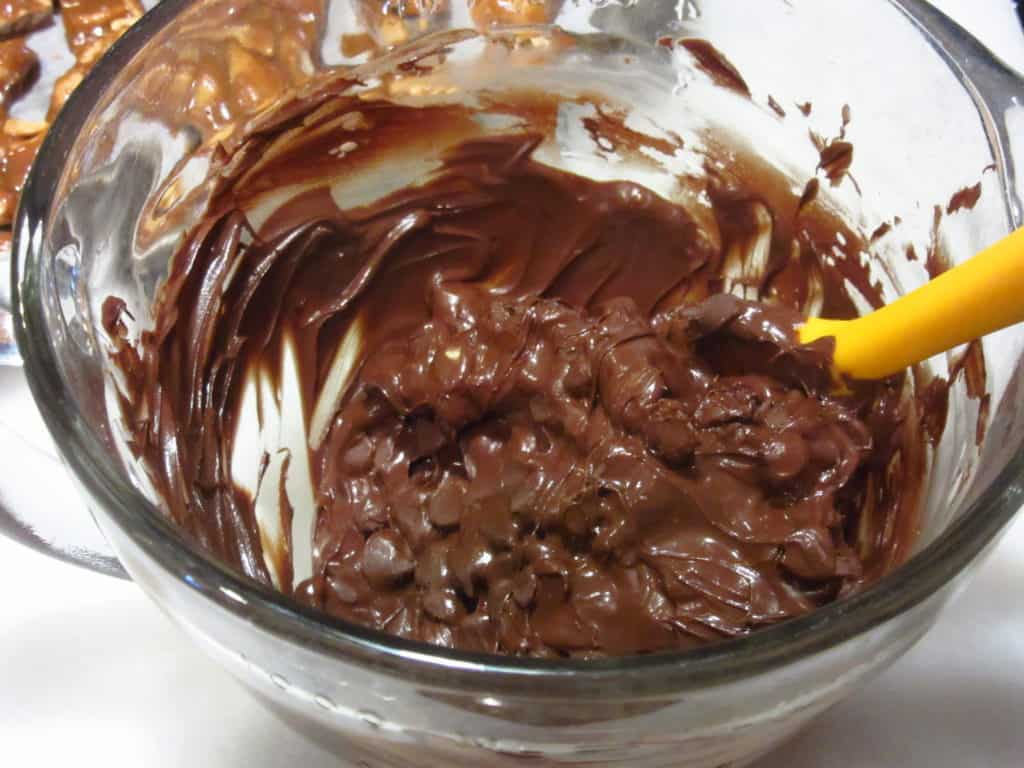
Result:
x=836 y=159
x=964 y=199
x=809 y=195
x=714 y=63
x=881 y=231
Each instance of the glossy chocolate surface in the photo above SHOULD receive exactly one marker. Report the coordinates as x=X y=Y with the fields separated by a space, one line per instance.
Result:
x=547 y=415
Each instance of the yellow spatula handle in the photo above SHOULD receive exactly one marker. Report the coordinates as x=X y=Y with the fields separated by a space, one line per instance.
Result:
x=978 y=297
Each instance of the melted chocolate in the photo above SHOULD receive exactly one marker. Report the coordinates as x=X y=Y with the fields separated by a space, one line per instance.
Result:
x=558 y=436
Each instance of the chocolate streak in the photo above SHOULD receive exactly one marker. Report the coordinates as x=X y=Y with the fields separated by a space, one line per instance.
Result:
x=559 y=437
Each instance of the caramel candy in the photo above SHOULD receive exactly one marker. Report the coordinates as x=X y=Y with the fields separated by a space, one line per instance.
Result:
x=488 y=13
x=17 y=17
x=392 y=22
x=224 y=70
x=62 y=89
x=18 y=67
x=19 y=142
x=92 y=26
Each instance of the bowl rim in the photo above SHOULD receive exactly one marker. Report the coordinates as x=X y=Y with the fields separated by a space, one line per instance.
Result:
x=120 y=502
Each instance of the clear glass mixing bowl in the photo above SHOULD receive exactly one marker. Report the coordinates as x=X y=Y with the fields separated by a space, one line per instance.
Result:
x=120 y=177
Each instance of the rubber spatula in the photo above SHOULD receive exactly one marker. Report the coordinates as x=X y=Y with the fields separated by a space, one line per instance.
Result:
x=980 y=296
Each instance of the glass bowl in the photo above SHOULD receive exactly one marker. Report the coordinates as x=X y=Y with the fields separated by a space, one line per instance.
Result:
x=119 y=179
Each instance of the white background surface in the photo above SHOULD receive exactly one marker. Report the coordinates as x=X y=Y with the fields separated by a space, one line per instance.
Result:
x=93 y=674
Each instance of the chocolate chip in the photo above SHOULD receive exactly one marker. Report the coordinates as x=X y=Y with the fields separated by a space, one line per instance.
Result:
x=387 y=560
x=432 y=570
x=496 y=522
x=443 y=605
x=524 y=587
x=445 y=505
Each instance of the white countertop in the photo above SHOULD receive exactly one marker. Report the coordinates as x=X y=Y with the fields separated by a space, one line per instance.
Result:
x=91 y=673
